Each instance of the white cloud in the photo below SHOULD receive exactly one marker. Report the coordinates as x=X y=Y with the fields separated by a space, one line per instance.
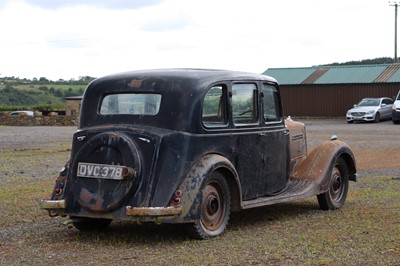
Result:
x=102 y=37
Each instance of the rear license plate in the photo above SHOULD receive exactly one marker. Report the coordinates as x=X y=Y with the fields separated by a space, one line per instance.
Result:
x=104 y=171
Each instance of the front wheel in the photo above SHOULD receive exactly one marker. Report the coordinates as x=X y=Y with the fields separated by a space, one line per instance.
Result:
x=377 y=118
x=335 y=197
x=214 y=208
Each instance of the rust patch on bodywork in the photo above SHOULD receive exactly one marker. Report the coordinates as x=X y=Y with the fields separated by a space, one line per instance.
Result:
x=135 y=83
x=95 y=202
x=318 y=163
x=152 y=211
x=297 y=133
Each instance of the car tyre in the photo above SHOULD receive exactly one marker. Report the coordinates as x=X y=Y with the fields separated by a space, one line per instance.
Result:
x=336 y=195
x=395 y=122
x=377 y=118
x=350 y=122
x=90 y=224
x=214 y=208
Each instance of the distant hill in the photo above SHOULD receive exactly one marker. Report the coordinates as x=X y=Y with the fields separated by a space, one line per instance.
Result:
x=38 y=94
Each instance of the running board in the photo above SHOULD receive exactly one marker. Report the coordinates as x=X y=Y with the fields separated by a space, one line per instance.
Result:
x=295 y=190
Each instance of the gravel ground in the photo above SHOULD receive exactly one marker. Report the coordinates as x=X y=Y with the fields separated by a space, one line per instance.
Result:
x=274 y=235
x=53 y=144
x=376 y=146
x=24 y=138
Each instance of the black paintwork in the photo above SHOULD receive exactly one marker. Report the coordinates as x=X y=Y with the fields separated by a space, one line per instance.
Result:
x=164 y=148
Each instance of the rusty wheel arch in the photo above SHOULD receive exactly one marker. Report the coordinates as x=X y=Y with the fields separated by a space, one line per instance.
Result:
x=194 y=181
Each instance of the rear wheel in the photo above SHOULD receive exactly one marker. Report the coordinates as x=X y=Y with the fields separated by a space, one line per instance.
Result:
x=90 y=224
x=335 y=197
x=215 y=208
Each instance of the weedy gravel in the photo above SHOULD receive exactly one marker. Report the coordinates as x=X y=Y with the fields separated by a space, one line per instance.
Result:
x=365 y=232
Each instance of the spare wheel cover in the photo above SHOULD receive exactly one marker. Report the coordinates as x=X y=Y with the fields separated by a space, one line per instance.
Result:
x=101 y=194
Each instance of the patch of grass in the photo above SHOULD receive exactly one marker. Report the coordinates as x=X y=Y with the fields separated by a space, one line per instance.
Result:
x=364 y=232
x=19 y=200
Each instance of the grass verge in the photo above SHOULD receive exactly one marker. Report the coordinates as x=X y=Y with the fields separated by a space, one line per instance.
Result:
x=365 y=232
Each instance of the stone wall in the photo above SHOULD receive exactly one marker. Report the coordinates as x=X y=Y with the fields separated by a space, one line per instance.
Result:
x=73 y=106
x=38 y=120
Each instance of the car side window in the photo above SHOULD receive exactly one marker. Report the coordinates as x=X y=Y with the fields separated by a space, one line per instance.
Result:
x=244 y=103
x=214 y=107
x=387 y=101
x=270 y=102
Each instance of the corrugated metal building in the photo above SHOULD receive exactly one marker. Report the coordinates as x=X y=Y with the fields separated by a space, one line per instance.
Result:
x=329 y=91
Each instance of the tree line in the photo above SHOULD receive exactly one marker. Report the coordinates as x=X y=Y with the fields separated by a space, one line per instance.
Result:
x=375 y=61
x=83 y=80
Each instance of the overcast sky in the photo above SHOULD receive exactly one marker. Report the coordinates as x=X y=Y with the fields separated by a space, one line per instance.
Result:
x=65 y=39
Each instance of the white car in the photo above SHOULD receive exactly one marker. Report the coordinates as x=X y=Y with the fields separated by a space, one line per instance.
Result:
x=23 y=113
x=371 y=109
x=396 y=109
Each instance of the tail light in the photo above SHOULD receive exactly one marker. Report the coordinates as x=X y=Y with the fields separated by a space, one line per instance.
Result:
x=176 y=200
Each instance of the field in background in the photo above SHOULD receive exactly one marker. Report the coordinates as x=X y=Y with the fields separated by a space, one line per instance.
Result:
x=38 y=95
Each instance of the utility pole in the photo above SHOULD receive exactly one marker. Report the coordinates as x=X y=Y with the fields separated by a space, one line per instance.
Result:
x=395 y=4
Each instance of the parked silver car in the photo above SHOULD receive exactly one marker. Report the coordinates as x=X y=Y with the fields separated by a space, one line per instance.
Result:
x=371 y=109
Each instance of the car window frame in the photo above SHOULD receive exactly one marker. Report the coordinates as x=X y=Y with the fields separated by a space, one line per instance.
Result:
x=100 y=104
x=387 y=101
x=224 y=108
x=255 y=102
x=277 y=102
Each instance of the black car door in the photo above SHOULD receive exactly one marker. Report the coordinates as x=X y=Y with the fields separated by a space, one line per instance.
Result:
x=275 y=143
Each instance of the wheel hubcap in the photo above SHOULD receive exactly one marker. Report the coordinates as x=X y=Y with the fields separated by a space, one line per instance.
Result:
x=336 y=189
x=212 y=209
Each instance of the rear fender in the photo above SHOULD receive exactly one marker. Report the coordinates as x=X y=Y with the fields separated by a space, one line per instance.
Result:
x=193 y=183
x=319 y=163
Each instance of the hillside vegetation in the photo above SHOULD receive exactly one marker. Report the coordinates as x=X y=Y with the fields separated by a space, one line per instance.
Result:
x=42 y=94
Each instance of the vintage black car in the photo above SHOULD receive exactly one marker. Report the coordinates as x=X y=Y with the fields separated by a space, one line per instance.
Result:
x=191 y=146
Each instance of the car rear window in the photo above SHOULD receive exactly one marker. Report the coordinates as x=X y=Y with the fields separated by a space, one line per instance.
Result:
x=131 y=104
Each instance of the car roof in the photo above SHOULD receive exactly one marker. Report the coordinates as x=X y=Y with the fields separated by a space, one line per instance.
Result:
x=188 y=74
x=380 y=98
x=181 y=88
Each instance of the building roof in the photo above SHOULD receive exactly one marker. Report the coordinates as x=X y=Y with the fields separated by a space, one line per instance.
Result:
x=349 y=74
